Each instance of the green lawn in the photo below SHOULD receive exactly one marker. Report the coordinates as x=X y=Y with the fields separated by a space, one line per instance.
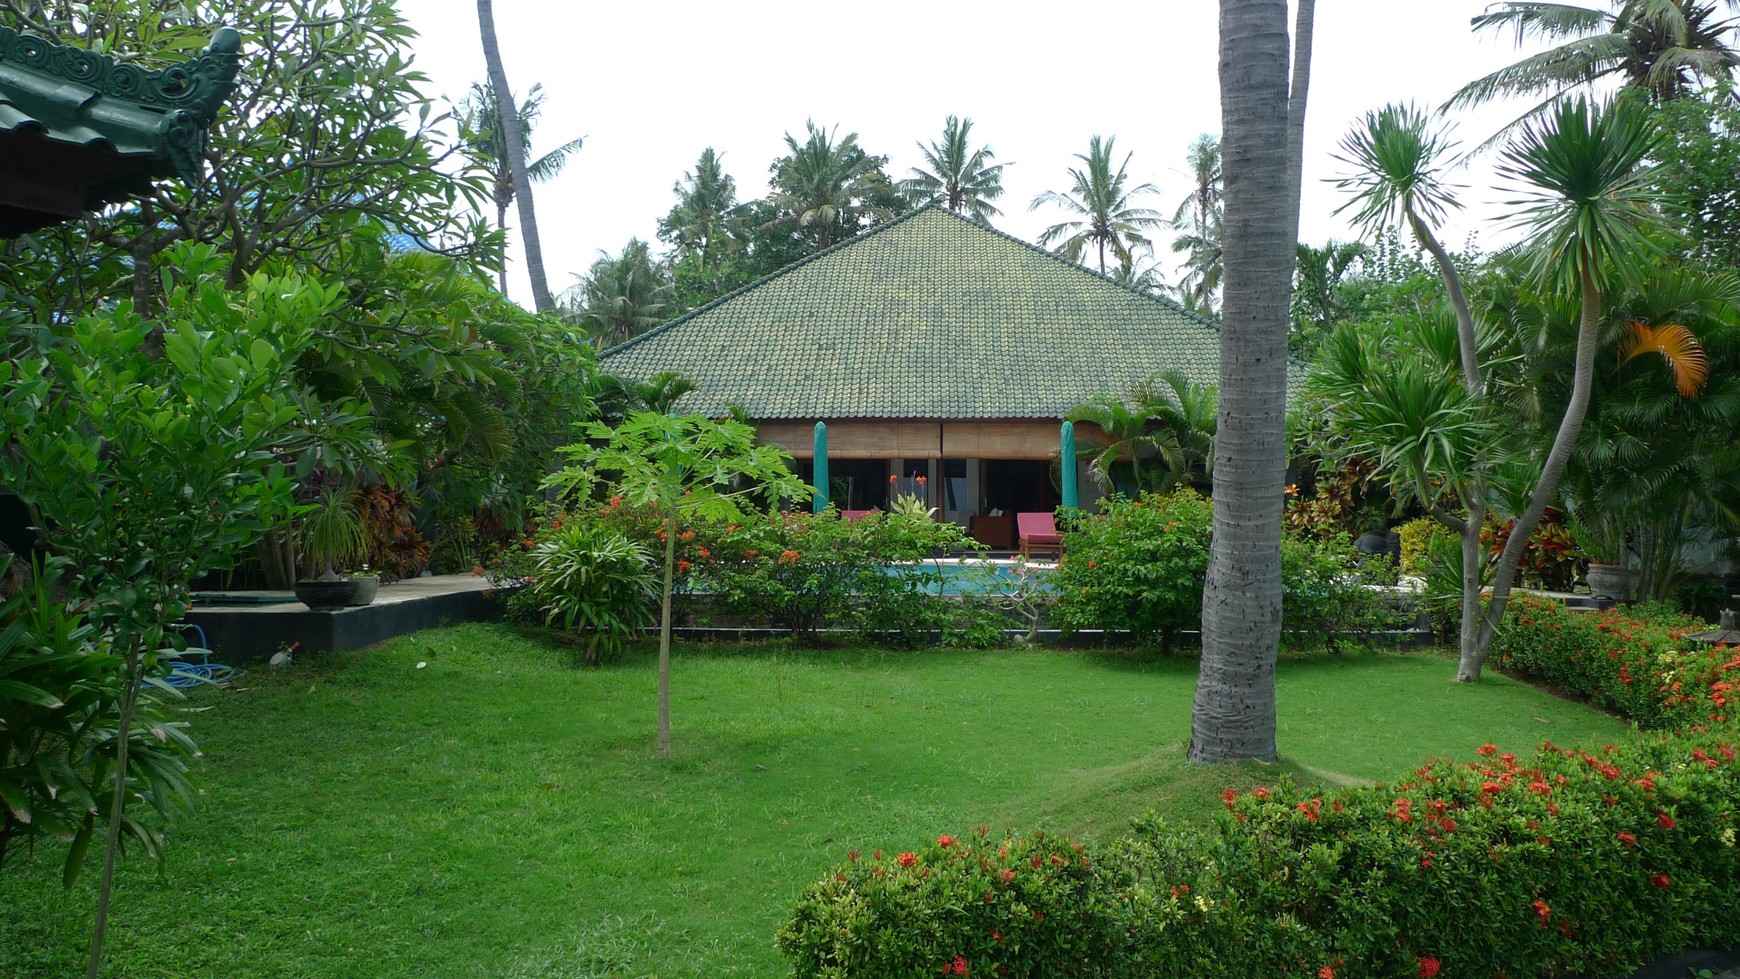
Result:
x=498 y=814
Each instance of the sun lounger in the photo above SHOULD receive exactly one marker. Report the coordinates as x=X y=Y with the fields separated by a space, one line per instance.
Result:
x=1038 y=532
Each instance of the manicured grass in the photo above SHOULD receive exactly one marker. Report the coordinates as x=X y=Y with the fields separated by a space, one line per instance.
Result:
x=498 y=814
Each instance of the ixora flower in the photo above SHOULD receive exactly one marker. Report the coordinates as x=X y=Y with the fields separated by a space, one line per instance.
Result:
x=1665 y=821
x=956 y=968
x=908 y=858
x=945 y=841
x=1662 y=881
x=1428 y=966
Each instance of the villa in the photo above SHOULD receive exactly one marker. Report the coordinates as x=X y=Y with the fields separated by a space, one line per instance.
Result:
x=931 y=346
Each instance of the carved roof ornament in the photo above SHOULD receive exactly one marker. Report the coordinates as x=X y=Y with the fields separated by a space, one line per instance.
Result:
x=79 y=130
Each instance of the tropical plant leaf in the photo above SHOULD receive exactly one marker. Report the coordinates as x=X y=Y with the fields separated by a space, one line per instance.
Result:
x=1684 y=354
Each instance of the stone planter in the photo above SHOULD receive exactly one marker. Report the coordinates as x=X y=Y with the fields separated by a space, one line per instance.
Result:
x=326 y=595
x=1613 y=581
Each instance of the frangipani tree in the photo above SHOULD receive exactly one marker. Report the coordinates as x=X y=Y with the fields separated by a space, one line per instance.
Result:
x=687 y=467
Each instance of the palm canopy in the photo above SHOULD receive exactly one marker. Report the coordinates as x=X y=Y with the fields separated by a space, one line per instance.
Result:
x=1661 y=47
x=826 y=183
x=1198 y=220
x=1588 y=199
x=1105 y=209
x=707 y=211
x=621 y=296
x=481 y=130
x=959 y=177
x=1160 y=438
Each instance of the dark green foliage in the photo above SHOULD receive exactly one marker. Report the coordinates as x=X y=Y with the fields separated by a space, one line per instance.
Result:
x=1138 y=567
x=153 y=450
x=60 y=692
x=579 y=572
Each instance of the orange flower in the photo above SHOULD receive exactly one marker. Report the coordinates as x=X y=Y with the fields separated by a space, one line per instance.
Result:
x=1292 y=489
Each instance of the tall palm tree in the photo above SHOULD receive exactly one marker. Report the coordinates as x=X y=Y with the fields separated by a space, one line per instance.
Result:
x=1661 y=47
x=706 y=212
x=826 y=185
x=1262 y=117
x=1197 y=219
x=962 y=178
x=481 y=131
x=514 y=143
x=1106 y=213
x=621 y=296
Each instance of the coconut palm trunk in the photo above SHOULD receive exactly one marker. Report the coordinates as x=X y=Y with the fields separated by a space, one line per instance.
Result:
x=1234 y=712
x=510 y=124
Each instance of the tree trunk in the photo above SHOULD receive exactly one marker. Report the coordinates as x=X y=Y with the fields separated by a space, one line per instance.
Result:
x=1468 y=634
x=1582 y=384
x=117 y=805
x=1303 y=35
x=1234 y=712
x=510 y=130
x=501 y=222
x=665 y=637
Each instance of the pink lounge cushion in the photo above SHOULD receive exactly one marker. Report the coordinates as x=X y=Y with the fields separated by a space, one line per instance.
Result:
x=1038 y=528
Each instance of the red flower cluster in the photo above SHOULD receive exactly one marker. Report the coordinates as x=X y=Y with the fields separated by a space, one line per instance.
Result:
x=1661 y=881
x=1665 y=821
x=1428 y=966
x=956 y=968
x=907 y=858
x=945 y=841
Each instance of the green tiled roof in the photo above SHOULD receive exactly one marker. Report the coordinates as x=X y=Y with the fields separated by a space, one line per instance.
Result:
x=928 y=316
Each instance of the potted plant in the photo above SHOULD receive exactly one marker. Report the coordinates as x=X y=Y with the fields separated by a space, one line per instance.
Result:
x=1600 y=535
x=330 y=534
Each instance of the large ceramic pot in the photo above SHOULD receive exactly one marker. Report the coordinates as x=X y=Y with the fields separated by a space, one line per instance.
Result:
x=326 y=595
x=1613 y=581
x=366 y=587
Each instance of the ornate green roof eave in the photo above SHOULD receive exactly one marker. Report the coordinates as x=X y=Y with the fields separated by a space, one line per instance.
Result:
x=79 y=130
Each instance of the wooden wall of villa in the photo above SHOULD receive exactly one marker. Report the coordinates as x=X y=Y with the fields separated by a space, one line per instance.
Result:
x=1029 y=439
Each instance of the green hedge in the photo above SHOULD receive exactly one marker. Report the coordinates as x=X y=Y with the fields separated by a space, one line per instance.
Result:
x=1138 y=566
x=1564 y=862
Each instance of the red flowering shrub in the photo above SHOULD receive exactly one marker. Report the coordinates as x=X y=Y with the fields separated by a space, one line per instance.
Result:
x=1646 y=670
x=1557 y=863
x=803 y=571
x=1019 y=906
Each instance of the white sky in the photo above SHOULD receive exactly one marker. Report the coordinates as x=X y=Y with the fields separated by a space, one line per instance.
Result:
x=651 y=83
